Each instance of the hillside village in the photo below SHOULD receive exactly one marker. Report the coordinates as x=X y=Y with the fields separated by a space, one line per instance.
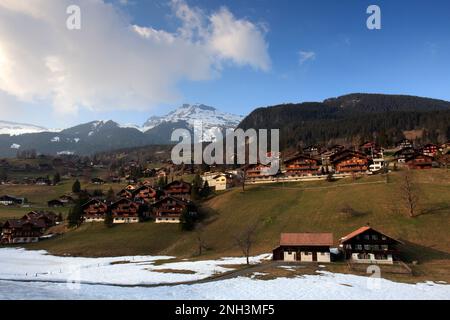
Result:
x=171 y=194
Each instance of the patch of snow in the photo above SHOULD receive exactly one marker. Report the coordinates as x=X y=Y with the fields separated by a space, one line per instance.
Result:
x=76 y=140
x=38 y=265
x=55 y=139
x=15 y=146
x=65 y=152
x=327 y=286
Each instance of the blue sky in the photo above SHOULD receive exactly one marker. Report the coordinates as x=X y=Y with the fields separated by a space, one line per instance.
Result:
x=409 y=55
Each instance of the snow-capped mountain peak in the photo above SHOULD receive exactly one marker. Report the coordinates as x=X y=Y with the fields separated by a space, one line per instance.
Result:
x=210 y=118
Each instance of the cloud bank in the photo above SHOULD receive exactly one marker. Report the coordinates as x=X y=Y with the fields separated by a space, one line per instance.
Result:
x=111 y=64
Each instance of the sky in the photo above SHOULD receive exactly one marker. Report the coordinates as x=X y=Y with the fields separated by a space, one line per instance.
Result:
x=131 y=59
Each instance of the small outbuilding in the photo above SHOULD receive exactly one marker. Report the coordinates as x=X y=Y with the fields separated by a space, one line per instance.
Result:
x=304 y=247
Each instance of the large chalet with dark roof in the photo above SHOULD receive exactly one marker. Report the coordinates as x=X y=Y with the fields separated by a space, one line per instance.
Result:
x=367 y=245
x=178 y=189
x=48 y=218
x=125 y=211
x=403 y=154
x=170 y=209
x=94 y=211
x=419 y=161
x=304 y=247
x=348 y=161
x=22 y=231
x=144 y=194
x=301 y=165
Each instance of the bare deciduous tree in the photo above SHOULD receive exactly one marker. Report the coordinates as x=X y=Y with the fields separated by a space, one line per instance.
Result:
x=246 y=239
x=201 y=243
x=409 y=195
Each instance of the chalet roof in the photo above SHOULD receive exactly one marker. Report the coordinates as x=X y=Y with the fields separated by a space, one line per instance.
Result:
x=123 y=200
x=306 y=239
x=345 y=154
x=407 y=150
x=93 y=200
x=299 y=156
x=18 y=223
x=181 y=201
x=361 y=231
x=141 y=188
x=418 y=155
x=177 y=182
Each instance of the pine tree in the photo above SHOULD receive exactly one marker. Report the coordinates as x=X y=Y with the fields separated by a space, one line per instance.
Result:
x=109 y=220
x=196 y=186
x=56 y=178
x=76 y=187
x=110 y=196
x=206 y=190
x=75 y=215
x=187 y=220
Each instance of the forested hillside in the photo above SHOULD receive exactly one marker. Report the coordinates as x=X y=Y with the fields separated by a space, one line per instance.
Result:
x=355 y=118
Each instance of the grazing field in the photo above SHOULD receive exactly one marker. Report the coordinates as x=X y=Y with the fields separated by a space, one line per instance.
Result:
x=300 y=207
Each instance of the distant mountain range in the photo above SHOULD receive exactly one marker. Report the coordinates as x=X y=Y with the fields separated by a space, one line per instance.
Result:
x=97 y=136
x=348 y=119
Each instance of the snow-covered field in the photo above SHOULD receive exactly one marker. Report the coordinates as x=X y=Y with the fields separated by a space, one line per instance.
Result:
x=21 y=264
x=18 y=267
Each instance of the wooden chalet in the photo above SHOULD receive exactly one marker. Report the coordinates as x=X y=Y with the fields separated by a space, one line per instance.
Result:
x=48 y=218
x=301 y=165
x=257 y=171
x=169 y=209
x=419 y=161
x=55 y=203
x=405 y=143
x=144 y=194
x=43 y=181
x=430 y=150
x=94 y=211
x=312 y=151
x=348 y=161
x=125 y=211
x=22 y=231
x=8 y=200
x=402 y=154
x=304 y=247
x=178 y=189
x=367 y=245
x=66 y=199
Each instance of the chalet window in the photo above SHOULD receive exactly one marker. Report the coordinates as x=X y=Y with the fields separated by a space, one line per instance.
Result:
x=375 y=247
x=374 y=237
x=366 y=247
x=367 y=237
x=348 y=246
x=359 y=247
x=383 y=238
x=384 y=247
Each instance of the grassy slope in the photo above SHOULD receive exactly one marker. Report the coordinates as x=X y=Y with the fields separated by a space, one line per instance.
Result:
x=301 y=207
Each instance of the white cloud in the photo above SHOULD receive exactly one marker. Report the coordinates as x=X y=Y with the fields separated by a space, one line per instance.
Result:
x=110 y=64
x=306 y=56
